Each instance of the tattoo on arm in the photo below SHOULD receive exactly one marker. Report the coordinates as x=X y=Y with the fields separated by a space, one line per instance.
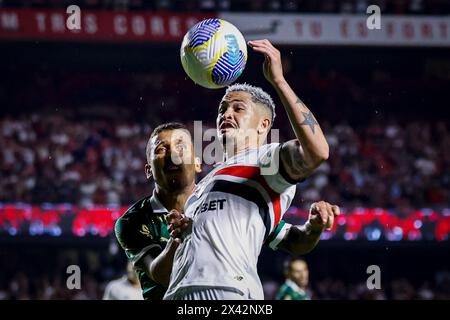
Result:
x=309 y=121
x=309 y=118
x=293 y=161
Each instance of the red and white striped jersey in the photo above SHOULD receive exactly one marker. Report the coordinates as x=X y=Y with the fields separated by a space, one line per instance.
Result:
x=234 y=210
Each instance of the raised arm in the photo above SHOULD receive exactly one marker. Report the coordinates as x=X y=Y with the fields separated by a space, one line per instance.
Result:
x=299 y=157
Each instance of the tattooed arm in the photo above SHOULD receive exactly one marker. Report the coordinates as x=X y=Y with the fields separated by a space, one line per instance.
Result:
x=299 y=157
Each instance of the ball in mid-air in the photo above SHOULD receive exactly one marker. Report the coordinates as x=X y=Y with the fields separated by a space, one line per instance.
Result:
x=213 y=53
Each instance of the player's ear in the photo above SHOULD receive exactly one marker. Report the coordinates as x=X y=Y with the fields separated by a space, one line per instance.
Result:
x=264 y=125
x=148 y=171
x=198 y=165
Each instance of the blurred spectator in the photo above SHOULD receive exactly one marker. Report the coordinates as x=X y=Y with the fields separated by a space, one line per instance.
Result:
x=295 y=286
x=125 y=288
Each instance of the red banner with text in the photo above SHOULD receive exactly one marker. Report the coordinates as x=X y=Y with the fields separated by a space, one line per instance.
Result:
x=33 y=24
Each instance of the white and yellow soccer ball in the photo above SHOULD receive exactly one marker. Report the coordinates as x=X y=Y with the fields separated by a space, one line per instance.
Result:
x=213 y=53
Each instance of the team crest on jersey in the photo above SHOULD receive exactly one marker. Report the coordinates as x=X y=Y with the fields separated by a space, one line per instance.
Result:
x=145 y=231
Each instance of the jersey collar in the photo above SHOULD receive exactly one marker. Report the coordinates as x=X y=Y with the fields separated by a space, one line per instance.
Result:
x=294 y=286
x=157 y=205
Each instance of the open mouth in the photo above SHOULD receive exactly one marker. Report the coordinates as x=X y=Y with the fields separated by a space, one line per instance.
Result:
x=227 y=125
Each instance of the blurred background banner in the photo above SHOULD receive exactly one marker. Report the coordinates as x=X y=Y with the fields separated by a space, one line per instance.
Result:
x=371 y=224
x=47 y=24
x=298 y=29
x=317 y=29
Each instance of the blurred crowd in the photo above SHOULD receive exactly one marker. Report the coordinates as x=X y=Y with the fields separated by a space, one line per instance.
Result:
x=435 y=7
x=397 y=289
x=50 y=287
x=85 y=162
x=41 y=271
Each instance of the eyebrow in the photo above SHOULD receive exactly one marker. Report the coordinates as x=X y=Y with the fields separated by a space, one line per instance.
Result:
x=234 y=100
x=158 y=142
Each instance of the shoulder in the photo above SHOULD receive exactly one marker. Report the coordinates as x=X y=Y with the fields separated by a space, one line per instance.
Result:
x=268 y=154
x=270 y=147
x=116 y=282
x=136 y=212
x=283 y=292
x=132 y=220
x=113 y=285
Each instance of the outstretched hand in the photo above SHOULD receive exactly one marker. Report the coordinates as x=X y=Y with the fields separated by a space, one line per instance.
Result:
x=272 y=67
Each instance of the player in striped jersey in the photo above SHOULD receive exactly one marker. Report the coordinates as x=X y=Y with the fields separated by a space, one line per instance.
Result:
x=238 y=206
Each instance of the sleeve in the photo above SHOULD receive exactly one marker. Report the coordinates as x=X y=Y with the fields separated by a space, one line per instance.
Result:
x=136 y=242
x=277 y=235
x=271 y=169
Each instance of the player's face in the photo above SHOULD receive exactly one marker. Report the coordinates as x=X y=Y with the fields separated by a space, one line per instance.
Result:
x=299 y=273
x=238 y=118
x=172 y=159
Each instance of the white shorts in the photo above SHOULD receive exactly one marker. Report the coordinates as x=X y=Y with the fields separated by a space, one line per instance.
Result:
x=209 y=293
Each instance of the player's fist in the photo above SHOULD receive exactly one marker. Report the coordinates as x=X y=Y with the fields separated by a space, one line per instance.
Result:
x=321 y=215
x=177 y=223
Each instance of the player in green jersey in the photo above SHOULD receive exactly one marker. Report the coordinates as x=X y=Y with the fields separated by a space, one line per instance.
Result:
x=296 y=285
x=142 y=230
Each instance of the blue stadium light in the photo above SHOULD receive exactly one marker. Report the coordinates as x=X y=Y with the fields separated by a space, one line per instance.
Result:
x=12 y=231
x=373 y=234
x=417 y=224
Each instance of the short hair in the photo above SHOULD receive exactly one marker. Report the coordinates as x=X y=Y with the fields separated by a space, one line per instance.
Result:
x=161 y=128
x=288 y=263
x=258 y=96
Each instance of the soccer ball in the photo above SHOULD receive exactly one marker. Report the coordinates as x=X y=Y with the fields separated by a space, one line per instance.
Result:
x=213 y=53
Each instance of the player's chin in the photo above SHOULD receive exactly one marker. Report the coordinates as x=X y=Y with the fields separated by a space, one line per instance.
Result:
x=177 y=180
x=227 y=135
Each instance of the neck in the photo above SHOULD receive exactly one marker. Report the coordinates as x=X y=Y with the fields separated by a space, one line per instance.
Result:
x=232 y=149
x=134 y=283
x=174 y=199
x=303 y=287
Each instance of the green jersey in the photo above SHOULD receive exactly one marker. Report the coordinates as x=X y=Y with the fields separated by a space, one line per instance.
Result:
x=142 y=230
x=291 y=291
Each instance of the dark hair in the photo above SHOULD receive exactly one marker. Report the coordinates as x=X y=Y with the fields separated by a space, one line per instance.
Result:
x=161 y=128
x=288 y=263
x=258 y=96
x=167 y=126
